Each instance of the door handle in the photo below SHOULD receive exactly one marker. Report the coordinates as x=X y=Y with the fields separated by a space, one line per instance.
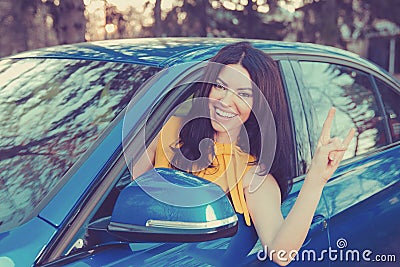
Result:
x=318 y=225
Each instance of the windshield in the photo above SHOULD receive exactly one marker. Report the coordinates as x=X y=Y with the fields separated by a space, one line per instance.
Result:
x=52 y=110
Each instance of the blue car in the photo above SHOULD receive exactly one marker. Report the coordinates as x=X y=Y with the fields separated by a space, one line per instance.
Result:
x=71 y=114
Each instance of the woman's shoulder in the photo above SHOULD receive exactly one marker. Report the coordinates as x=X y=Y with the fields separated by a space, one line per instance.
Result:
x=173 y=122
x=172 y=127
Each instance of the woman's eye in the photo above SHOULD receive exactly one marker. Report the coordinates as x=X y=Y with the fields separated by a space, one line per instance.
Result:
x=247 y=95
x=220 y=86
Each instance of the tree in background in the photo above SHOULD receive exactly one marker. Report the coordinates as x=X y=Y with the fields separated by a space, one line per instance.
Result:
x=69 y=20
x=220 y=18
x=342 y=22
x=17 y=32
x=385 y=9
x=30 y=24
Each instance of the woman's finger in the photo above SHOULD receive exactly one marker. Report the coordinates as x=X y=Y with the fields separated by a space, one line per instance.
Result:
x=326 y=128
x=334 y=146
x=349 y=137
x=337 y=141
x=339 y=148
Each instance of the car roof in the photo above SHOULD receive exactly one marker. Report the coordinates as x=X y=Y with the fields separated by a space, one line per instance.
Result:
x=169 y=51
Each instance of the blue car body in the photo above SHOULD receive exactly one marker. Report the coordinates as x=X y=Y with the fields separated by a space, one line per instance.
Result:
x=360 y=204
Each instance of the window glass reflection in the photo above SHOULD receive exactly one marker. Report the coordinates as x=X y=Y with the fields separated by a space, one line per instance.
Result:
x=52 y=111
x=350 y=91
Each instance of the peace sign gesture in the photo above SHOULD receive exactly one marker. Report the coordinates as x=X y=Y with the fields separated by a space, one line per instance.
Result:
x=329 y=152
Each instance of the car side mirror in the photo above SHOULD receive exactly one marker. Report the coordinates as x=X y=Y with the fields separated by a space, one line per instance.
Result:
x=166 y=205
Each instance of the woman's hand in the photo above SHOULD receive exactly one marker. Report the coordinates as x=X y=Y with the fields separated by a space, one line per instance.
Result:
x=329 y=152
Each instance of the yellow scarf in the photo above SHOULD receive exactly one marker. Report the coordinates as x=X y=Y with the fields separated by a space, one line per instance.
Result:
x=230 y=161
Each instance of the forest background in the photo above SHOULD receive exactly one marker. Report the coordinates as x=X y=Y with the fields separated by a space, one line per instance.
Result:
x=370 y=28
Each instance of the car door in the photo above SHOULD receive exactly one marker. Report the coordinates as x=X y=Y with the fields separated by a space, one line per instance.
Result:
x=362 y=196
x=80 y=247
x=74 y=243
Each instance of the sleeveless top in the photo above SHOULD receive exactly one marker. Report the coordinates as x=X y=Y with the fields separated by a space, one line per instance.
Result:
x=230 y=162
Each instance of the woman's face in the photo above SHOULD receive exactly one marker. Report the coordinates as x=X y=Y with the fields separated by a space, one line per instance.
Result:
x=230 y=102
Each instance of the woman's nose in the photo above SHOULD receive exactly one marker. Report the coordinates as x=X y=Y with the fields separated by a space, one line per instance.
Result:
x=228 y=98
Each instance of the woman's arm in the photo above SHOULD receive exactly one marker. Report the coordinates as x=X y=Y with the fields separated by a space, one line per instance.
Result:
x=275 y=233
x=264 y=204
x=169 y=134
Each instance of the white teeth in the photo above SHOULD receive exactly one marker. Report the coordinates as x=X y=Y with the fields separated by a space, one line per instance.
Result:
x=224 y=114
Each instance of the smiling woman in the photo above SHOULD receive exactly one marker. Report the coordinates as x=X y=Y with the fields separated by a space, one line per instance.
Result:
x=227 y=143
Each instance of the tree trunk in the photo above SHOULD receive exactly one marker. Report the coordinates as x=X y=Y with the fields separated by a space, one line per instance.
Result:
x=70 y=21
x=157 y=19
x=203 y=5
x=15 y=17
x=250 y=19
x=329 y=30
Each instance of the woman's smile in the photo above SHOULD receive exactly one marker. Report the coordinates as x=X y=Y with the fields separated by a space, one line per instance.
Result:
x=224 y=114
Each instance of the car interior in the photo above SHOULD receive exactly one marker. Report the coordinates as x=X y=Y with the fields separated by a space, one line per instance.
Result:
x=178 y=95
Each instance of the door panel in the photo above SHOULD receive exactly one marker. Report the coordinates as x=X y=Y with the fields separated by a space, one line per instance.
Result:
x=364 y=206
x=362 y=197
x=316 y=240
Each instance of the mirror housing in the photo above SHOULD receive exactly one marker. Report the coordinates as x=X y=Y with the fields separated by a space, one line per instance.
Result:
x=166 y=205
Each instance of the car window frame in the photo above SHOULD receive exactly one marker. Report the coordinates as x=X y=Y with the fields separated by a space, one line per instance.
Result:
x=394 y=88
x=294 y=100
x=372 y=73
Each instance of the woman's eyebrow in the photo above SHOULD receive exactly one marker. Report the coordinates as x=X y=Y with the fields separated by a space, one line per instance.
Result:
x=245 y=89
x=224 y=83
x=239 y=89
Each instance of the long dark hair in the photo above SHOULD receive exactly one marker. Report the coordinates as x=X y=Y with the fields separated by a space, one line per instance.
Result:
x=265 y=75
